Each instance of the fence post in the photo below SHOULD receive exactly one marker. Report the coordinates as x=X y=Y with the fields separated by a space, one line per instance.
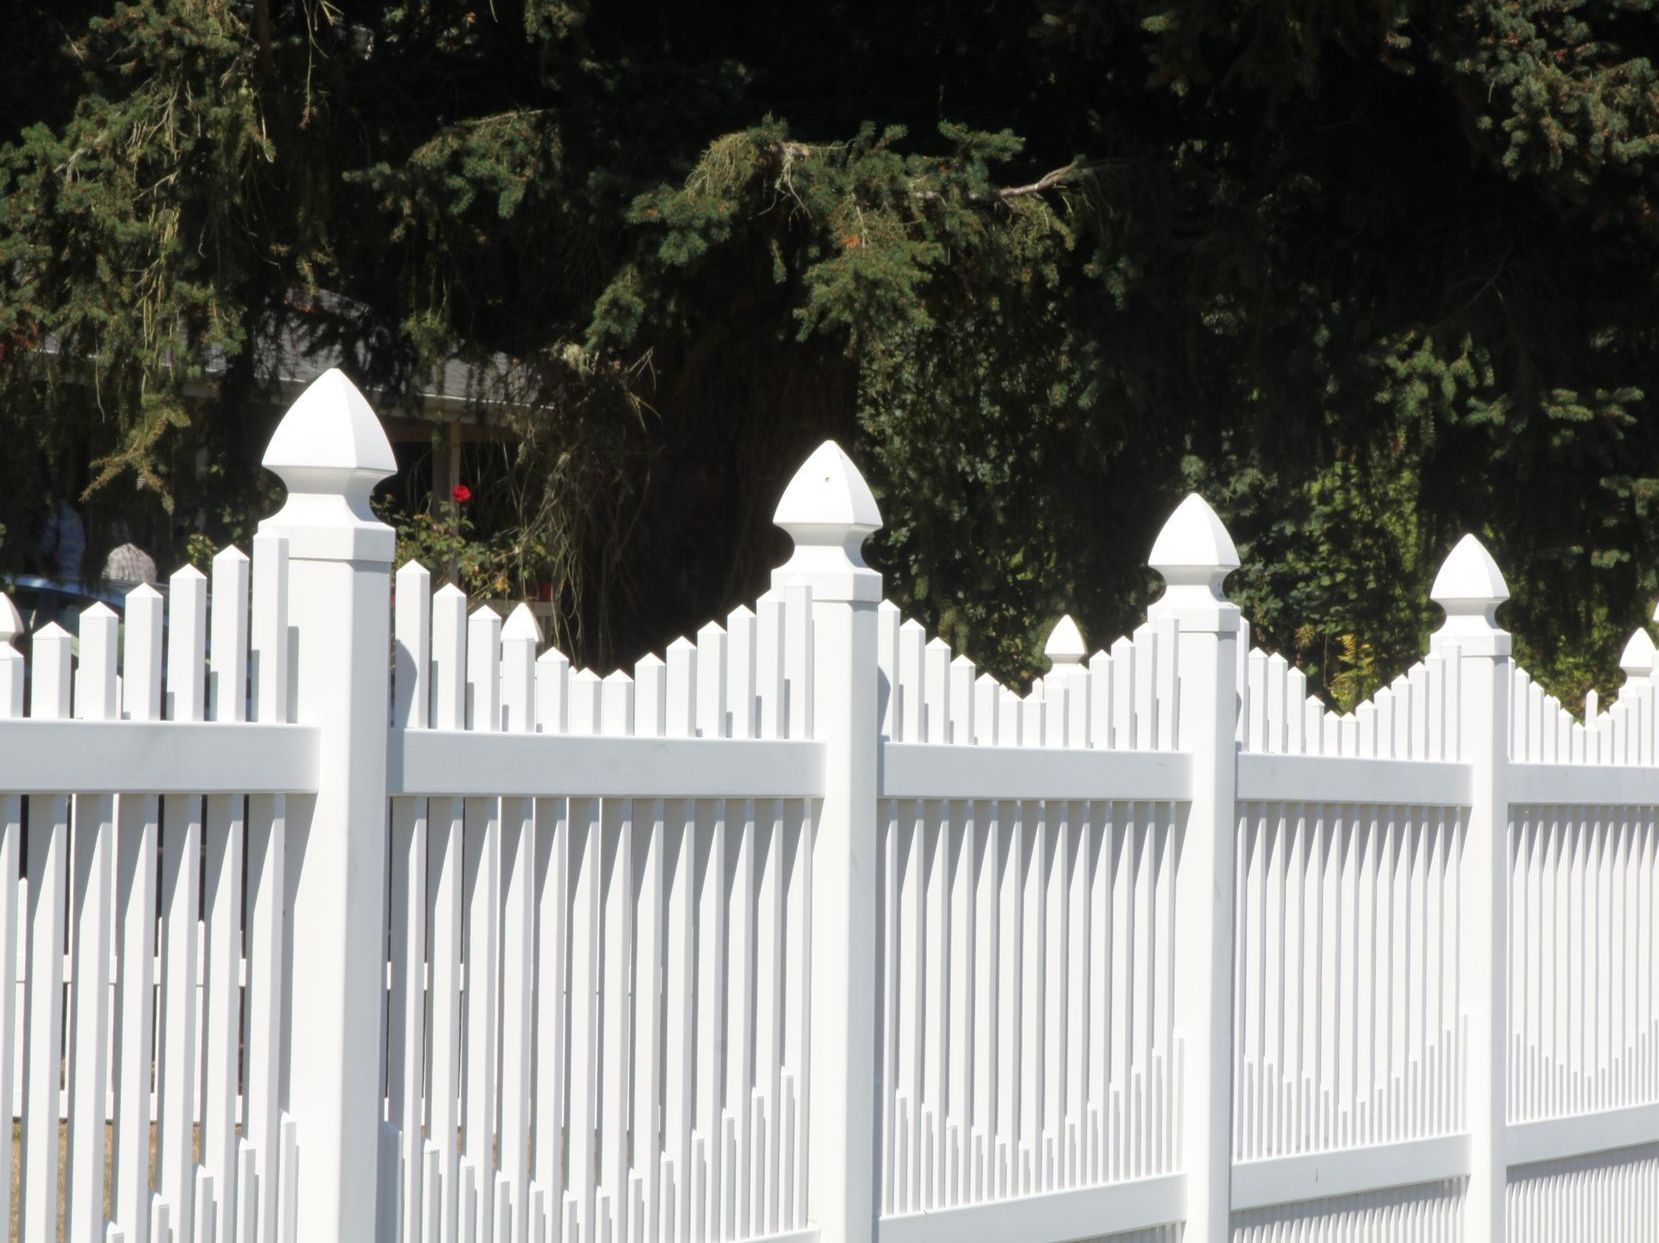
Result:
x=1469 y=588
x=1195 y=554
x=828 y=511
x=330 y=451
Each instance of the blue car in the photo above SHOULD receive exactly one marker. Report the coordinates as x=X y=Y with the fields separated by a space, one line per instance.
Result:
x=43 y=600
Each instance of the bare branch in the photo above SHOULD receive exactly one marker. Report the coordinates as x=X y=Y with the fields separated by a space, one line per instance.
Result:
x=783 y=154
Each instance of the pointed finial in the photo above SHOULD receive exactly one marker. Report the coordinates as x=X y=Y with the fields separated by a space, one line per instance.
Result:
x=330 y=451
x=521 y=624
x=1637 y=658
x=1065 y=648
x=1194 y=554
x=828 y=511
x=1193 y=541
x=1469 y=588
x=828 y=491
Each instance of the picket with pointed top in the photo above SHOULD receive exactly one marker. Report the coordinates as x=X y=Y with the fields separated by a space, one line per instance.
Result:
x=12 y=895
x=804 y=929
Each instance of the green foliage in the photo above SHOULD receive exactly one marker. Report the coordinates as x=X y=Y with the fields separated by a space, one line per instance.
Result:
x=1356 y=679
x=199 y=550
x=1368 y=276
x=444 y=540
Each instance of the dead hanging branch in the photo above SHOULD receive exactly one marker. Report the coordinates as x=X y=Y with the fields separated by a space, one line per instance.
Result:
x=782 y=155
x=1052 y=180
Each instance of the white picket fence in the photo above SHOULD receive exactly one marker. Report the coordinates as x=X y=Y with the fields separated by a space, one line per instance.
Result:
x=804 y=931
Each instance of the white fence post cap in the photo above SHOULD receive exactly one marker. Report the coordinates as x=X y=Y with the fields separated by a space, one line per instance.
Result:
x=828 y=491
x=1193 y=542
x=828 y=511
x=330 y=451
x=332 y=429
x=1065 y=645
x=1637 y=658
x=1469 y=583
x=1194 y=554
x=1469 y=589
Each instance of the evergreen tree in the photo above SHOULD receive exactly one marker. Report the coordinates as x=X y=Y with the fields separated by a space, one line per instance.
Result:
x=1367 y=275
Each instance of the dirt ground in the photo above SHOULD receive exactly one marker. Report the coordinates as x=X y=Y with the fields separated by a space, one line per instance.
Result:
x=63 y=1163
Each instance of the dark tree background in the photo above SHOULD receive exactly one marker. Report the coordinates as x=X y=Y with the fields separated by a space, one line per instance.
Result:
x=1367 y=273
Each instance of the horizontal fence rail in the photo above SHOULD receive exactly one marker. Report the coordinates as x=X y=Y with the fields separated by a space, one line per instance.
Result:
x=804 y=930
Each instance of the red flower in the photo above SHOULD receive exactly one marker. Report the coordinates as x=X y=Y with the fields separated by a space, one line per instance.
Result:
x=460 y=494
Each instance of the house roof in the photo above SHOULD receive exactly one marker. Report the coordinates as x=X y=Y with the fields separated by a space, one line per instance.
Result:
x=301 y=349
x=300 y=352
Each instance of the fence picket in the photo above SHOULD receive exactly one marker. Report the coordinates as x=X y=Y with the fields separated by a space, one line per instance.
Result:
x=221 y=1000
x=407 y=901
x=888 y=621
x=584 y=1031
x=445 y=894
x=614 y=953
x=911 y=657
x=224 y=826
x=712 y=689
x=481 y=882
x=181 y=901
x=712 y=955
x=13 y=907
x=552 y=894
x=48 y=862
x=92 y=898
x=680 y=1015
x=520 y=637
x=223 y=830
x=647 y=846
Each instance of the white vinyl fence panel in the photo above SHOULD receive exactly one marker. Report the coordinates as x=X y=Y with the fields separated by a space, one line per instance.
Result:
x=597 y=1015
x=805 y=931
x=149 y=1109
